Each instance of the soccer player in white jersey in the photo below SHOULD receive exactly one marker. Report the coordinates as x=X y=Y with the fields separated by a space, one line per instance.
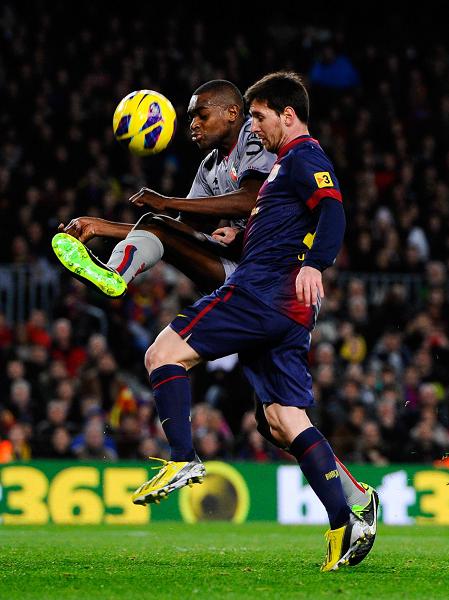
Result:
x=225 y=187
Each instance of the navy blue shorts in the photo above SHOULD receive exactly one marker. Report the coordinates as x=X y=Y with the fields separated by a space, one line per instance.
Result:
x=273 y=349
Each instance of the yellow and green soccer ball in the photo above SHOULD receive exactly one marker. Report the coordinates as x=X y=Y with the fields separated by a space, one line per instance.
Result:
x=145 y=122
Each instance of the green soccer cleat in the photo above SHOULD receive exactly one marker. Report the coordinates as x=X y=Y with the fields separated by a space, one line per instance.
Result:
x=172 y=476
x=344 y=542
x=86 y=267
x=369 y=514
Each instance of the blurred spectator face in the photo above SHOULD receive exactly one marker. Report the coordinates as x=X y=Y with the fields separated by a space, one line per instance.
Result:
x=21 y=393
x=357 y=309
x=65 y=390
x=89 y=406
x=249 y=422
x=436 y=273
x=39 y=355
x=392 y=341
x=325 y=354
x=386 y=411
x=355 y=372
x=129 y=425
x=56 y=412
x=371 y=434
x=200 y=416
x=58 y=370
x=427 y=395
x=38 y=319
x=96 y=346
x=150 y=447
x=62 y=331
x=326 y=376
x=351 y=392
x=17 y=435
x=94 y=436
x=209 y=445
x=60 y=440
x=411 y=377
x=15 y=369
x=107 y=364
x=356 y=287
x=357 y=415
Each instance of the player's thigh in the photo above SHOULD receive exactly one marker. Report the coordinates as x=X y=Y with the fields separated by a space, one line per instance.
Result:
x=280 y=374
x=170 y=348
x=225 y=322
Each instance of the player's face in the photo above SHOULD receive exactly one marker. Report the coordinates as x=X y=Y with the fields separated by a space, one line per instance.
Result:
x=209 y=122
x=267 y=124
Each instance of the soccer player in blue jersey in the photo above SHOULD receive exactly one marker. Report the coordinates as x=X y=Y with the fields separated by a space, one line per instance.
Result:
x=265 y=311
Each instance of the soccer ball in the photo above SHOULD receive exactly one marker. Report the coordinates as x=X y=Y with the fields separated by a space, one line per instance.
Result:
x=144 y=121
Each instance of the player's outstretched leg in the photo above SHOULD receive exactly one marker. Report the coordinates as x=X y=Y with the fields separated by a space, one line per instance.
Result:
x=86 y=267
x=369 y=514
x=344 y=543
x=172 y=476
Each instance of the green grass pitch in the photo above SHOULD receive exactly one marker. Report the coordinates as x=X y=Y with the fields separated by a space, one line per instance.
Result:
x=214 y=561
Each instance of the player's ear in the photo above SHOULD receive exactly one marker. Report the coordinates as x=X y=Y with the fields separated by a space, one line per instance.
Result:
x=233 y=112
x=288 y=115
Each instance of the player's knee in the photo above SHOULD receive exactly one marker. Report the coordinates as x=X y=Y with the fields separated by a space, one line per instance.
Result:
x=156 y=357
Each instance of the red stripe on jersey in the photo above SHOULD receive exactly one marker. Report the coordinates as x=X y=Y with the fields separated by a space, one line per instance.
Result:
x=169 y=379
x=318 y=195
x=299 y=140
x=199 y=316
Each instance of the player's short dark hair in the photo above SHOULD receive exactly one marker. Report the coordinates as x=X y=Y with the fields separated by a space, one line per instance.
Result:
x=279 y=90
x=224 y=90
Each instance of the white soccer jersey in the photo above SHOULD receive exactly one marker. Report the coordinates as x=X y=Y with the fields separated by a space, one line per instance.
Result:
x=220 y=175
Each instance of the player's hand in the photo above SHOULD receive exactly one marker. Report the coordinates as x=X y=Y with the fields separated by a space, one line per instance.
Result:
x=82 y=228
x=147 y=197
x=309 y=286
x=225 y=235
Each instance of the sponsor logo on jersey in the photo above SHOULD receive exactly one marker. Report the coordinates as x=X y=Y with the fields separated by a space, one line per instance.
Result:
x=273 y=173
x=323 y=179
x=233 y=173
x=255 y=210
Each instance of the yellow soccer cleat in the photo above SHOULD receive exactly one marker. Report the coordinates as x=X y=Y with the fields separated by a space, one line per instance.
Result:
x=344 y=542
x=172 y=476
x=86 y=267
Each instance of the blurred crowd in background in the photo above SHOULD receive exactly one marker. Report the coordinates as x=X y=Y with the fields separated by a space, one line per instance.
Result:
x=73 y=385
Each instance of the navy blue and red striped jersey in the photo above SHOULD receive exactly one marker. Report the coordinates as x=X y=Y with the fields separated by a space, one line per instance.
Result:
x=281 y=235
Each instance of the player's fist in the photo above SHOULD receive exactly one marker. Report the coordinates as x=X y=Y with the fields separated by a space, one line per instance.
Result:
x=309 y=286
x=82 y=228
x=147 y=197
x=225 y=235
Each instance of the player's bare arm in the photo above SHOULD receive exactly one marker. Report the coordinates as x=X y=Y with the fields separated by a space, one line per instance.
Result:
x=87 y=228
x=238 y=203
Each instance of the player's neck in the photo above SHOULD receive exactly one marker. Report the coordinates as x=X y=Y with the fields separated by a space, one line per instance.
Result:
x=228 y=143
x=293 y=133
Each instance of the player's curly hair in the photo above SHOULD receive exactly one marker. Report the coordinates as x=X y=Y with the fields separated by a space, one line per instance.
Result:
x=279 y=90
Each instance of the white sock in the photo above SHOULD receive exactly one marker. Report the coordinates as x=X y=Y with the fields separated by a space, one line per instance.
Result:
x=138 y=252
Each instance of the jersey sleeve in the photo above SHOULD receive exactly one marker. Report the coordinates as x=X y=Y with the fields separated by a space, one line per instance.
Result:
x=200 y=188
x=256 y=162
x=313 y=177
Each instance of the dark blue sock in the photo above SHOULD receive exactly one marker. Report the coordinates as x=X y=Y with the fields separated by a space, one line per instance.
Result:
x=171 y=390
x=317 y=462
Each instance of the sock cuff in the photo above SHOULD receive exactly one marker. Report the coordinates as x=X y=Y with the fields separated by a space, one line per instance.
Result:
x=136 y=234
x=304 y=441
x=167 y=373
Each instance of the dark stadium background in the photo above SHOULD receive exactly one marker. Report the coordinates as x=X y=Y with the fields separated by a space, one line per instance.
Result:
x=72 y=382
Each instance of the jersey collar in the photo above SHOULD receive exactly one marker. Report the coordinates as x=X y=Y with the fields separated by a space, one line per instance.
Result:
x=299 y=140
